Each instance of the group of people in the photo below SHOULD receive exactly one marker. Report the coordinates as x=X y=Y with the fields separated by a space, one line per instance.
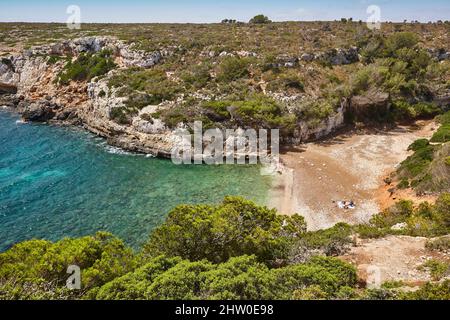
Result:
x=346 y=204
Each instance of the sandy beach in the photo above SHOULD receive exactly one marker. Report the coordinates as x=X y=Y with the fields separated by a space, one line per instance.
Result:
x=350 y=166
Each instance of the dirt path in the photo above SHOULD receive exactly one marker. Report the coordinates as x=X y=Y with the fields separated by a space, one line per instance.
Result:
x=392 y=258
x=347 y=167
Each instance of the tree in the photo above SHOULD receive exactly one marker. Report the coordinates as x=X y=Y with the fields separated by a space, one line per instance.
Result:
x=260 y=19
x=239 y=278
x=216 y=233
x=101 y=258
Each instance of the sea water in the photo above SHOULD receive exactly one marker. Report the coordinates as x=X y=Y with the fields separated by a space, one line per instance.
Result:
x=58 y=182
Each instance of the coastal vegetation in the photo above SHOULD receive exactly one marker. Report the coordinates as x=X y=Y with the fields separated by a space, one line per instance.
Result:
x=85 y=67
x=426 y=170
x=234 y=250
x=250 y=75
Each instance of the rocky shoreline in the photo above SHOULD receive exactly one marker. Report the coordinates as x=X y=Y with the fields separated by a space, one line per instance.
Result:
x=28 y=86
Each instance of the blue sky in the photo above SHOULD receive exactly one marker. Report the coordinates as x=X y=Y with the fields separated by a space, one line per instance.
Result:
x=215 y=10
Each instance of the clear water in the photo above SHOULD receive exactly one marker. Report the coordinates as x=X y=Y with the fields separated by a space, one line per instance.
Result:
x=60 y=182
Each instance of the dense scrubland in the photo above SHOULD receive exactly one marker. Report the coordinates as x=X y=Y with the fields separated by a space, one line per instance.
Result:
x=254 y=75
x=264 y=74
x=233 y=250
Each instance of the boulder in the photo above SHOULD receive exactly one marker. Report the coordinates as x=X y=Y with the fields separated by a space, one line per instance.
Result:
x=7 y=88
x=307 y=57
x=38 y=111
x=369 y=105
x=285 y=60
x=340 y=56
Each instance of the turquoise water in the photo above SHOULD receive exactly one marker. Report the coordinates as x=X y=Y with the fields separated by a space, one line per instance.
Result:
x=60 y=182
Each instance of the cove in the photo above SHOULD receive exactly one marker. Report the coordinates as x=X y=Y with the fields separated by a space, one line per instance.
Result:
x=58 y=182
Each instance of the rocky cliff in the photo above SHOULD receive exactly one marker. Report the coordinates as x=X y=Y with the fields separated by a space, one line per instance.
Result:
x=28 y=84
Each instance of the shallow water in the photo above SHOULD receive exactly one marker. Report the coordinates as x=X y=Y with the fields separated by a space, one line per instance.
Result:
x=60 y=182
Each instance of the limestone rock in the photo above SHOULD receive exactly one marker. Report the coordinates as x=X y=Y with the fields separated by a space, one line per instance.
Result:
x=38 y=111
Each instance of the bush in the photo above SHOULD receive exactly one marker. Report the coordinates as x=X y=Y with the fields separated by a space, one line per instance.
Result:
x=425 y=220
x=216 y=233
x=260 y=19
x=403 y=184
x=288 y=81
x=120 y=115
x=430 y=291
x=418 y=144
x=101 y=258
x=332 y=242
x=198 y=76
x=442 y=134
x=258 y=112
x=242 y=278
x=233 y=68
x=439 y=244
x=86 y=67
x=144 y=86
x=400 y=40
x=417 y=163
x=437 y=269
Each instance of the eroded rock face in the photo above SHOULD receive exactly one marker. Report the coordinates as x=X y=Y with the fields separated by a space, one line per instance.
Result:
x=307 y=57
x=127 y=56
x=340 y=56
x=370 y=104
x=439 y=54
x=286 y=61
x=7 y=88
x=41 y=111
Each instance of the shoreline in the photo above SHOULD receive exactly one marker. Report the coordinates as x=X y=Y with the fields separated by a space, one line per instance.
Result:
x=349 y=166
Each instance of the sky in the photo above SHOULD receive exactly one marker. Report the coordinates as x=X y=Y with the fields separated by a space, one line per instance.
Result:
x=204 y=11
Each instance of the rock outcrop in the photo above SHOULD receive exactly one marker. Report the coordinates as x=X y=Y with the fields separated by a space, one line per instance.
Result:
x=40 y=111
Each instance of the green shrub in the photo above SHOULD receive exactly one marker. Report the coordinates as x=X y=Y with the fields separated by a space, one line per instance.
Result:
x=418 y=162
x=239 y=278
x=439 y=244
x=86 y=67
x=260 y=19
x=198 y=76
x=447 y=161
x=442 y=134
x=425 y=220
x=400 y=40
x=101 y=258
x=437 y=269
x=332 y=241
x=403 y=184
x=120 y=115
x=144 y=86
x=418 y=144
x=235 y=227
x=288 y=81
x=430 y=291
x=233 y=68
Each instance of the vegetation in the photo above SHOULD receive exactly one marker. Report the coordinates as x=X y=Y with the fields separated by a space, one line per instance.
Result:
x=233 y=62
x=234 y=250
x=439 y=244
x=86 y=67
x=424 y=220
x=407 y=73
x=235 y=227
x=437 y=269
x=426 y=170
x=235 y=75
x=260 y=19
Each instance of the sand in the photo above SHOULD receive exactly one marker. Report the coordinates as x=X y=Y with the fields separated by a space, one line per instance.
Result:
x=350 y=166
